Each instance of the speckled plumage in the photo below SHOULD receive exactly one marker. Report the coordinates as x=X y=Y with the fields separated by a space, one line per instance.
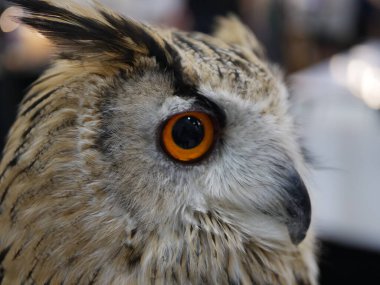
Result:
x=88 y=196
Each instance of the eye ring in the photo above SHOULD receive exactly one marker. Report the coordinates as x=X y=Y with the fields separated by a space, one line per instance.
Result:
x=189 y=136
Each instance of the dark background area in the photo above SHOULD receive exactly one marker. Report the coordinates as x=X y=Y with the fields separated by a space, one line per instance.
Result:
x=344 y=264
x=288 y=43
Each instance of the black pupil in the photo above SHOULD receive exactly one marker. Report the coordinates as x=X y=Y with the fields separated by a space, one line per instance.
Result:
x=188 y=132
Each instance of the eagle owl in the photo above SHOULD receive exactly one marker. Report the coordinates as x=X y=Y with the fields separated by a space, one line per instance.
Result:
x=147 y=155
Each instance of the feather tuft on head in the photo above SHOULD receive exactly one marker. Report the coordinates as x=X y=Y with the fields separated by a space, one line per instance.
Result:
x=94 y=33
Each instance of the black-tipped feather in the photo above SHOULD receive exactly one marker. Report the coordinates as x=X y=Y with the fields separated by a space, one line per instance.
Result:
x=113 y=35
x=140 y=36
x=114 y=38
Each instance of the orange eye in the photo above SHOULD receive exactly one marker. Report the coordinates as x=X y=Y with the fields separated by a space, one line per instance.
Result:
x=188 y=136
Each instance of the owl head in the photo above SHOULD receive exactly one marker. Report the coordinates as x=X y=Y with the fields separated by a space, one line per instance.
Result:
x=162 y=130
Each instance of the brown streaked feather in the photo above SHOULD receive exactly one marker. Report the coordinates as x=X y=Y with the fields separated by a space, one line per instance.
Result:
x=233 y=32
x=95 y=30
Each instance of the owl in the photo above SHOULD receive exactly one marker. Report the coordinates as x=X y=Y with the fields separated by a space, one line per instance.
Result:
x=149 y=155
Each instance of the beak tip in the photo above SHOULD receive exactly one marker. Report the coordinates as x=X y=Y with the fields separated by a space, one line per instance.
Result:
x=299 y=212
x=297 y=236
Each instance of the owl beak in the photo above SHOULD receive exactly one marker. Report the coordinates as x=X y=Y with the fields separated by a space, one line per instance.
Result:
x=298 y=209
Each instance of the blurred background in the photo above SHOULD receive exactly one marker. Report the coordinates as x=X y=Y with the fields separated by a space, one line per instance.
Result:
x=330 y=53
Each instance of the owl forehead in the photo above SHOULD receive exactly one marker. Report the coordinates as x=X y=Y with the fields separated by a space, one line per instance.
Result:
x=208 y=61
x=103 y=43
x=98 y=41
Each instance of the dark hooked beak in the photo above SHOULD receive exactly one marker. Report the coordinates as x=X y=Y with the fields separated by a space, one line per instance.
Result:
x=298 y=208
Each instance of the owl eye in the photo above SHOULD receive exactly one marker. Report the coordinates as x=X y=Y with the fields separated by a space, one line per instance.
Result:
x=189 y=136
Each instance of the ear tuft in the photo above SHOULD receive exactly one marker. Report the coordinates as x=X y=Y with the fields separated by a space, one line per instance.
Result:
x=93 y=32
x=233 y=32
